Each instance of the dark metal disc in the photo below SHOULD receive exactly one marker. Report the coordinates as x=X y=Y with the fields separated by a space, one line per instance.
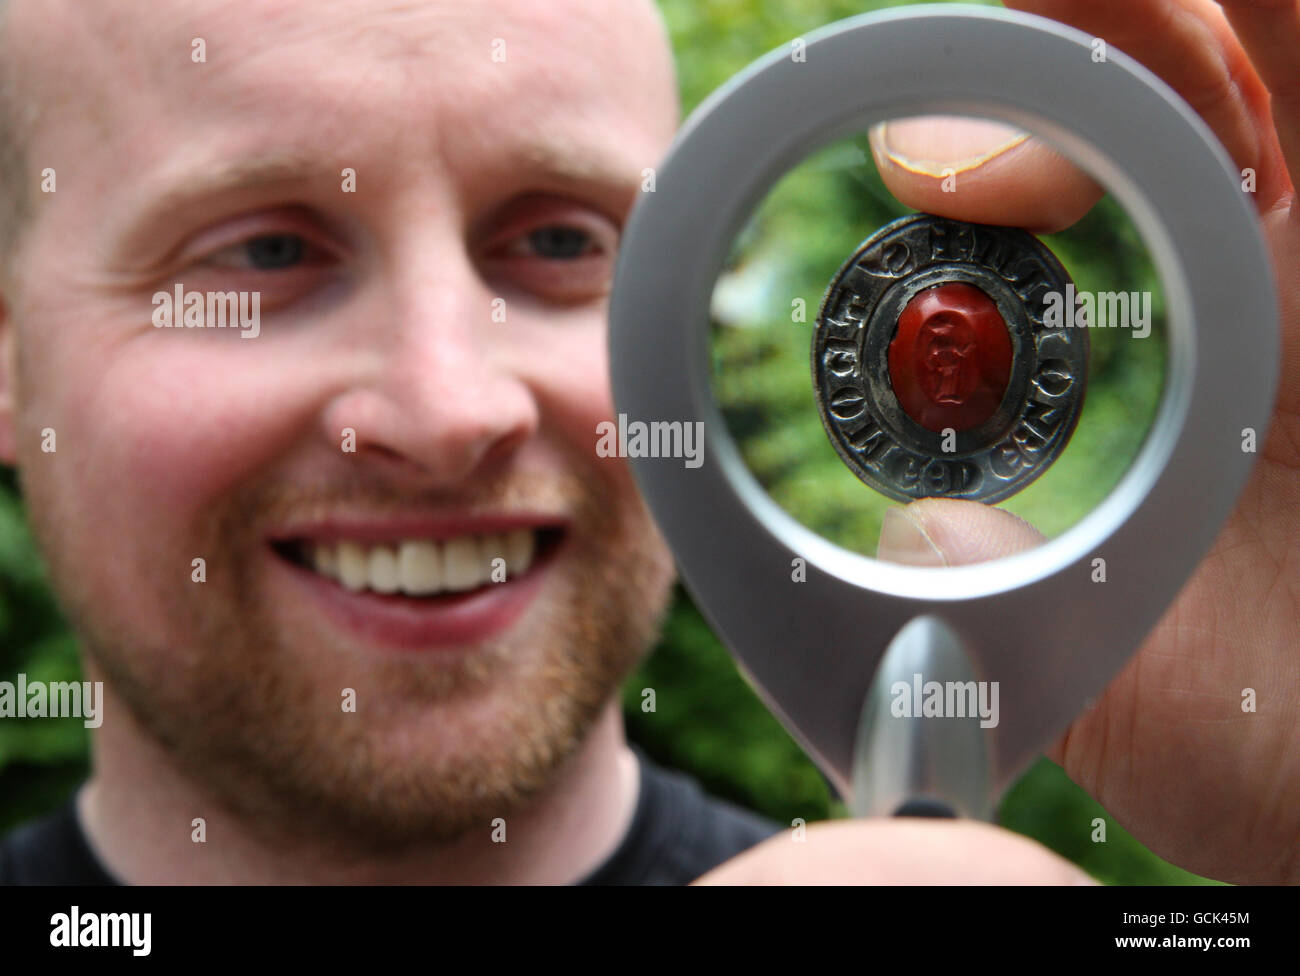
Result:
x=873 y=432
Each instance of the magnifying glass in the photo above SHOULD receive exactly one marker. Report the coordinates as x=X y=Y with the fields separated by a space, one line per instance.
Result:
x=834 y=650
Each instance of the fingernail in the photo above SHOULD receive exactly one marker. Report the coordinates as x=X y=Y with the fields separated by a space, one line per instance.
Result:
x=933 y=144
x=902 y=540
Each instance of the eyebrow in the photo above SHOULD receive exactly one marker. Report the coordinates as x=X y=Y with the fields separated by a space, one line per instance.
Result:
x=571 y=163
x=241 y=174
x=557 y=161
x=150 y=208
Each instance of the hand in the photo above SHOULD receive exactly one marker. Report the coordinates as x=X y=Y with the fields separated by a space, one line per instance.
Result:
x=901 y=851
x=1167 y=749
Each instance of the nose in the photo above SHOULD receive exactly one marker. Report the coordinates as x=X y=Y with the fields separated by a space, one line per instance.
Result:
x=440 y=397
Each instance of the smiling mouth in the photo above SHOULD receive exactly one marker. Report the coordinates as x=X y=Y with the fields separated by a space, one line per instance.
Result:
x=424 y=568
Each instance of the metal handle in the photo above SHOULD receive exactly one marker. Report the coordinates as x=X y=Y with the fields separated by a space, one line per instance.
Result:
x=922 y=747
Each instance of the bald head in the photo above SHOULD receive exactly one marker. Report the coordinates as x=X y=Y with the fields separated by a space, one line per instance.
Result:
x=13 y=166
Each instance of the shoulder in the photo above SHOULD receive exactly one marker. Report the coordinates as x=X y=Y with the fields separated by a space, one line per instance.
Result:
x=679 y=832
x=50 y=850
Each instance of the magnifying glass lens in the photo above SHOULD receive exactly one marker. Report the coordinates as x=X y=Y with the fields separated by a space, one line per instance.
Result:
x=883 y=333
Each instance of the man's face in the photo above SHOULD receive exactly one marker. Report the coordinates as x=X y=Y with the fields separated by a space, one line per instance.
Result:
x=496 y=146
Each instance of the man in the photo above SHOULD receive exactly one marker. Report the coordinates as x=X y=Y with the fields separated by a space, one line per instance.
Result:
x=279 y=553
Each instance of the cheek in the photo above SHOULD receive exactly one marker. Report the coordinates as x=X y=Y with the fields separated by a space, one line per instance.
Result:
x=154 y=432
x=185 y=422
x=153 y=428
x=568 y=368
x=182 y=425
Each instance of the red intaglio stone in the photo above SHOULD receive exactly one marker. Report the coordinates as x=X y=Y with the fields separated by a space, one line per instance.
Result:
x=950 y=360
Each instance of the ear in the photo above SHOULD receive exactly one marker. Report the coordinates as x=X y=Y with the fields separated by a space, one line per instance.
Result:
x=8 y=380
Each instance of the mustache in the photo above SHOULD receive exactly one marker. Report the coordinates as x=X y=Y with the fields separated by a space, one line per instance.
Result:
x=362 y=493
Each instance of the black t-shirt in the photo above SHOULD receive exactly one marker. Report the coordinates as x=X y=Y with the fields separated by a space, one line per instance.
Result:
x=677 y=834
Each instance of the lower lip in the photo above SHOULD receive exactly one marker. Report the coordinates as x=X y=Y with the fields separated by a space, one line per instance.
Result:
x=414 y=624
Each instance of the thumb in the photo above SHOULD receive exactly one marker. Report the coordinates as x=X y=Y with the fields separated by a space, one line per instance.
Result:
x=895 y=852
x=947 y=532
x=981 y=171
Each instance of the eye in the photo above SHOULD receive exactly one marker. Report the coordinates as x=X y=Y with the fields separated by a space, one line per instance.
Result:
x=561 y=243
x=558 y=251
x=266 y=252
x=553 y=242
x=279 y=255
x=275 y=251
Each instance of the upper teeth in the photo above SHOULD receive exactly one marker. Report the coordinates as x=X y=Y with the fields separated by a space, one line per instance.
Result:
x=420 y=567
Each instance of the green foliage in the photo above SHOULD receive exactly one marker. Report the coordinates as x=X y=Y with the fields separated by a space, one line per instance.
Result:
x=707 y=719
x=714 y=39
x=40 y=760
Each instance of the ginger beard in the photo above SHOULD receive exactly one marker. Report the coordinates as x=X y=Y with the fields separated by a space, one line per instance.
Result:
x=246 y=698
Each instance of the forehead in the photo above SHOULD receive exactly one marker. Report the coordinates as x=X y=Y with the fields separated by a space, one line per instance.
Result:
x=468 y=79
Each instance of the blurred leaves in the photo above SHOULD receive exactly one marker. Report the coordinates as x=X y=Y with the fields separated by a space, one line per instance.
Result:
x=40 y=759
